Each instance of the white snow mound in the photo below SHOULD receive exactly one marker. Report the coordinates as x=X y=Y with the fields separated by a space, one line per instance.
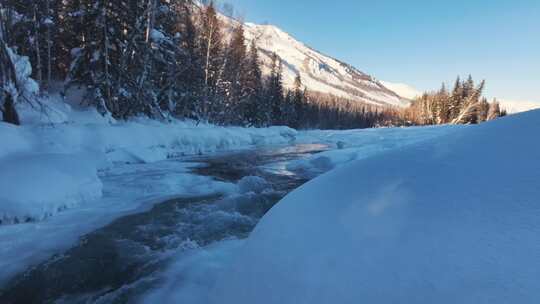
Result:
x=452 y=220
x=34 y=187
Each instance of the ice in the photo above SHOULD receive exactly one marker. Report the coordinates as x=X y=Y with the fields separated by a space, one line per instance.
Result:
x=455 y=219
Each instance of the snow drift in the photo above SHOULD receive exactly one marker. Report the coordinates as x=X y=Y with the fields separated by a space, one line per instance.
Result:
x=34 y=187
x=455 y=220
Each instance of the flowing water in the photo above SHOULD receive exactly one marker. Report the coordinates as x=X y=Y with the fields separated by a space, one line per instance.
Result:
x=119 y=262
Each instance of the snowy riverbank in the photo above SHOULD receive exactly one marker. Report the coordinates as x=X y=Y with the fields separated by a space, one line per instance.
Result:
x=451 y=220
x=80 y=172
x=46 y=168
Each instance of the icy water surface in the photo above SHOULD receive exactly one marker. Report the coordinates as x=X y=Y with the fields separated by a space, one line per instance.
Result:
x=120 y=262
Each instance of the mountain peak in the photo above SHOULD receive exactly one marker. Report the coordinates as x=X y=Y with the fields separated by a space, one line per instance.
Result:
x=319 y=72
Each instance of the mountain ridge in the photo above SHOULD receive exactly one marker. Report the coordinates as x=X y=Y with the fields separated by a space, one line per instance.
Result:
x=319 y=72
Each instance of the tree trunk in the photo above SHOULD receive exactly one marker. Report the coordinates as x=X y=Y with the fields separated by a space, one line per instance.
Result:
x=36 y=44
x=49 y=45
x=107 y=105
x=9 y=112
x=150 y=19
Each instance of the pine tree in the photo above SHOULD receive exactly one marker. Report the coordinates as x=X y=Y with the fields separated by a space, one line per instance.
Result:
x=275 y=91
x=256 y=109
x=482 y=110
x=211 y=48
x=456 y=100
x=298 y=100
x=465 y=105
x=494 y=111
x=71 y=35
x=8 y=78
x=471 y=105
x=190 y=77
x=92 y=66
x=33 y=30
x=236 y=76
x=468 y=88
x=443 y=106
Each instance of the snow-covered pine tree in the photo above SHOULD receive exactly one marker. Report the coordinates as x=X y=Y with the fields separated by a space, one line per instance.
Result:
x=114 y=57
x=152 y=55
x=8 y=78
x=170 y=59
x=210 y=46
x=33 y=29
x=71 y=35
x=16 y=84
x=236 y=76
x=190 y=77
x=95 y=61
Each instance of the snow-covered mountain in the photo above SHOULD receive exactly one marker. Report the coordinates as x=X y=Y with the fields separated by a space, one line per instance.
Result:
x=320 y=73
x=403 y=89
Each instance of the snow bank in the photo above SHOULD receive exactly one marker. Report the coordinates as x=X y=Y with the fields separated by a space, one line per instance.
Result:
x=60 y=128
x=149 y=141
x=34 y=187
x=453 y=220
x=156 y=141
x=354 y=145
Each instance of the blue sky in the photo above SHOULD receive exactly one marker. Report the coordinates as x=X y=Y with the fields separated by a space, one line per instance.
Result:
x=419 y=42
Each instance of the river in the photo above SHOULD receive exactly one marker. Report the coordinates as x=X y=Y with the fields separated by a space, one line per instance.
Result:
x=119 y=263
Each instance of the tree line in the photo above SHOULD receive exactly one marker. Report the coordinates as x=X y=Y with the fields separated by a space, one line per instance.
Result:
x=464 y=104
x=163 y=59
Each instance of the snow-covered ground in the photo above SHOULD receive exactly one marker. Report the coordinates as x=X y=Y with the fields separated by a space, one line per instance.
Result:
x=67 y=173
x=351 y=145
x=455 y=219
